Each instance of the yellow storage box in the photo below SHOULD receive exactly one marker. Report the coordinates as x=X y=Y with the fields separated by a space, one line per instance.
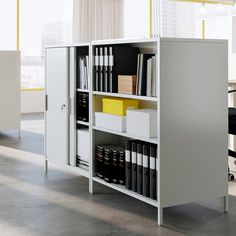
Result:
x=118 y=106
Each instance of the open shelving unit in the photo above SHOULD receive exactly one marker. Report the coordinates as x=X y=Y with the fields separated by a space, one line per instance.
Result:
x=191 y=107
x=102 y=135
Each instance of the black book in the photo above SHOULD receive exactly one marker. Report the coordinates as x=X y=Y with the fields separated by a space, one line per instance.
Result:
x=146 y=171
x=139 y=169
x=99 y=168
x=153 y=179
x=143 y=74
x=125 y=63
x=121 y=167
x=114 y=165
x=83 y=106
x=134 y=165
x=108 y=155
x=128 y=167
x=96 y=71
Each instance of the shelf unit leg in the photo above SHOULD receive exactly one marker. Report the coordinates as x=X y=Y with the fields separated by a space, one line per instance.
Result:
x=226 y=204
x=160 y=216
x=91 y=186
x=19 y=133
x=46 y=166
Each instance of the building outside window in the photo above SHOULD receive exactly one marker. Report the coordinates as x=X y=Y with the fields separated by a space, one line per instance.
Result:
x=37 y=32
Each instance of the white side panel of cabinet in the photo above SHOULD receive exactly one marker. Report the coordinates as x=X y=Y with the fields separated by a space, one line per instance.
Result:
x=193 y=120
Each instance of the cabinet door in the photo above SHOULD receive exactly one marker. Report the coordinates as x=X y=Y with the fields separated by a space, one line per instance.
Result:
x=57 y=74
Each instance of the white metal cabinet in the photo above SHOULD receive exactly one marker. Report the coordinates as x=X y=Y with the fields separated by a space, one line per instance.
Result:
x=57 y=121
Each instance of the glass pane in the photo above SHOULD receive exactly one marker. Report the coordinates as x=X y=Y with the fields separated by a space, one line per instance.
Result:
x=43 y=23
x=136 y=18
x=184 y=20
x=8 y=24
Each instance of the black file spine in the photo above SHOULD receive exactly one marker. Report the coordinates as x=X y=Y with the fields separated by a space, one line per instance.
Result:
x=128 y=168
x=146 y=178
x=139 y=169
x=134 y=166
x=153 y=183
x=105 y=62
x=83 y=106
x=97 y=73
x=122 y=167
x=101 y=64
x=114 y=166
x=107 y=164
x=100 y=161
x=110 y=71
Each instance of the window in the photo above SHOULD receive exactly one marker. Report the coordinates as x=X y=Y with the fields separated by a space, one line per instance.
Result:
x=183 y=20
x=136 y=18
x=42 y=23
x=8 y=24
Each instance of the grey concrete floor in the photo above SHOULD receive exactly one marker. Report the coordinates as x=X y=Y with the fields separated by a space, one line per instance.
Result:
x=32 y=203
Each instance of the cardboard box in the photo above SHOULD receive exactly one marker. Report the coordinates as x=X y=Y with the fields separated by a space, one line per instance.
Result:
x=127 y=84
x=118 y=106
x=83 y=144
x=142 y=122
x=108 y=121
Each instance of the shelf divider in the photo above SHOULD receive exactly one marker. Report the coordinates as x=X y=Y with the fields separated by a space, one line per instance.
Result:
x=82 y=123
x=124 y=134
x=82 y=90
x=144 y=98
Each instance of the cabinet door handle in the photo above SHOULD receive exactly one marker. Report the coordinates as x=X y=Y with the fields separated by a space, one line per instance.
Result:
x=46 y=102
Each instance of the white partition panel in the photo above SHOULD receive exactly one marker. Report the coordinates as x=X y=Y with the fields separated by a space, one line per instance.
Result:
x=9 y=89
x=193 y=120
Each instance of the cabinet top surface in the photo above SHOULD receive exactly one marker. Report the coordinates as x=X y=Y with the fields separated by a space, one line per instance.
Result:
x=138 y=40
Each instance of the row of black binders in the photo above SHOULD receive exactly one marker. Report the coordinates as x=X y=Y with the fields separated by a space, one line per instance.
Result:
x=112 y=61
x=82 y=106
x=141 y=168
x=110 y=163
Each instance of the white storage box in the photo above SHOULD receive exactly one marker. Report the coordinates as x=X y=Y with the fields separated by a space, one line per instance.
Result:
x=142 y=122
x=83 y=144
x=108 y=121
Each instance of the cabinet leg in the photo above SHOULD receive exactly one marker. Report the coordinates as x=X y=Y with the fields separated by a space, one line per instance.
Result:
x=46 y=166
x=226 y=204
x=160 y=216
x=19 y=133
x=91 y=185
